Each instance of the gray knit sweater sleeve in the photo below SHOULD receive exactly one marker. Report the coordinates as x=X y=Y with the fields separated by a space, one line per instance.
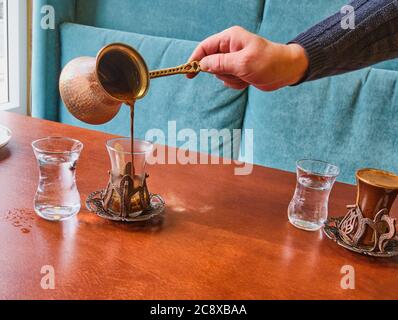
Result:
x=333 y=49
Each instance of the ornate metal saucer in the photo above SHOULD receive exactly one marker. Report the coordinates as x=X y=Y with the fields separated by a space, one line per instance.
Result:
x=95 y=204
x=347 y=232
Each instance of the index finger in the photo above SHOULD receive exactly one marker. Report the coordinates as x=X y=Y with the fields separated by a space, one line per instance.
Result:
x=218 y=43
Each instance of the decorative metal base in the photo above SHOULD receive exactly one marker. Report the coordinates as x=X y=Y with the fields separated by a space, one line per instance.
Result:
x=95 y=204
x=332 y=231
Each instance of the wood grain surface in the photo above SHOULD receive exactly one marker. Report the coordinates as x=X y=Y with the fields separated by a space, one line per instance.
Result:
x=222 y=236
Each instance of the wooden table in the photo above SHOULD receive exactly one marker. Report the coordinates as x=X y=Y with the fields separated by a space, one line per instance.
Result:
x=222 y=237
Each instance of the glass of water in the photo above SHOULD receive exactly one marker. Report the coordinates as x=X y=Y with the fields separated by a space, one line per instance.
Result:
x=57 y=197
x=308 y=209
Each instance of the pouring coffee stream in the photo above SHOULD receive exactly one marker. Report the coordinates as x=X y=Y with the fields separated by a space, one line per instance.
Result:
x=94 y=89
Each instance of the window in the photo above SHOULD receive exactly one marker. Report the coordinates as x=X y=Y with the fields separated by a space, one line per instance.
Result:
x=3 y=54
x=13 y=55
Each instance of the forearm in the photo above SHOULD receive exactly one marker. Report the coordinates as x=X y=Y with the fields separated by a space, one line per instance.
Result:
x=333 y=50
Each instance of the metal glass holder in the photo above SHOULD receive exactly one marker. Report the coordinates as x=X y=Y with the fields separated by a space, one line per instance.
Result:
x=348 y=231
x=96 y=203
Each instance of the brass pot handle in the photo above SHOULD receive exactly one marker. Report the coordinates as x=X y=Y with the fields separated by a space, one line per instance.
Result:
x=192 y=67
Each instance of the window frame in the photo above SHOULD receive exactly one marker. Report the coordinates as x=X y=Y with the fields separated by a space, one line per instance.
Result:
x=5 y=46
x=16 y=12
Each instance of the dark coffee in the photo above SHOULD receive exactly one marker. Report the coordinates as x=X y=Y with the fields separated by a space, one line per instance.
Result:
x=119 y=74
x=132 y=116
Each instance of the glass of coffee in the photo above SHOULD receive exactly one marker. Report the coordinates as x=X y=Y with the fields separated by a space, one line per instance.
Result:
x=127 y=194
x=368 y=224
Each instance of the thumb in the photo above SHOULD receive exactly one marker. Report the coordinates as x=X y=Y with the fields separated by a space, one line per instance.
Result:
x=220 y=63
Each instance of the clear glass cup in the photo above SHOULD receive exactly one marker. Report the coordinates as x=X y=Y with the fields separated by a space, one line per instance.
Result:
x=57 y=197
x=124 y=183
x=308 y=209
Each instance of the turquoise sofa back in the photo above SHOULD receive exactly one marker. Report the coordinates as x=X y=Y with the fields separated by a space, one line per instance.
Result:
x=46 y=56
x=163 y=33
x=181 y=19
x=349 y=120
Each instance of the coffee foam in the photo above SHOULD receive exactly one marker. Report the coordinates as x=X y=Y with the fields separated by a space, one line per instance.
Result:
x=379 y=178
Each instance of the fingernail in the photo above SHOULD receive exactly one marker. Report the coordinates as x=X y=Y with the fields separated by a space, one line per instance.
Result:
x=204 y=67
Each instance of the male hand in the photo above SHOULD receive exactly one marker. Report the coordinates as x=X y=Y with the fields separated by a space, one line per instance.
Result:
x=240 y=58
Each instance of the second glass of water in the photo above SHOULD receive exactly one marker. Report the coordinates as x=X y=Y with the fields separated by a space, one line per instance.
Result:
x=308 y=209
x=57 y=197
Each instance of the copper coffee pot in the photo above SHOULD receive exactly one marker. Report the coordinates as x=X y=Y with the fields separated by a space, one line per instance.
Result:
x=94 y=89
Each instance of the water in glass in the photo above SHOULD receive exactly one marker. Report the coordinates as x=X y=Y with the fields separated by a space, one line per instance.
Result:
x=57 y=197
x=308 y=209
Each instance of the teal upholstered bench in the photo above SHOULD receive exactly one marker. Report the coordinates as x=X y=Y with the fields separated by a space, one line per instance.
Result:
x=350 y=120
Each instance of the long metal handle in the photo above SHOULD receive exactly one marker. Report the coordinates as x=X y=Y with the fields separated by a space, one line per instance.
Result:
x=192 y=67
